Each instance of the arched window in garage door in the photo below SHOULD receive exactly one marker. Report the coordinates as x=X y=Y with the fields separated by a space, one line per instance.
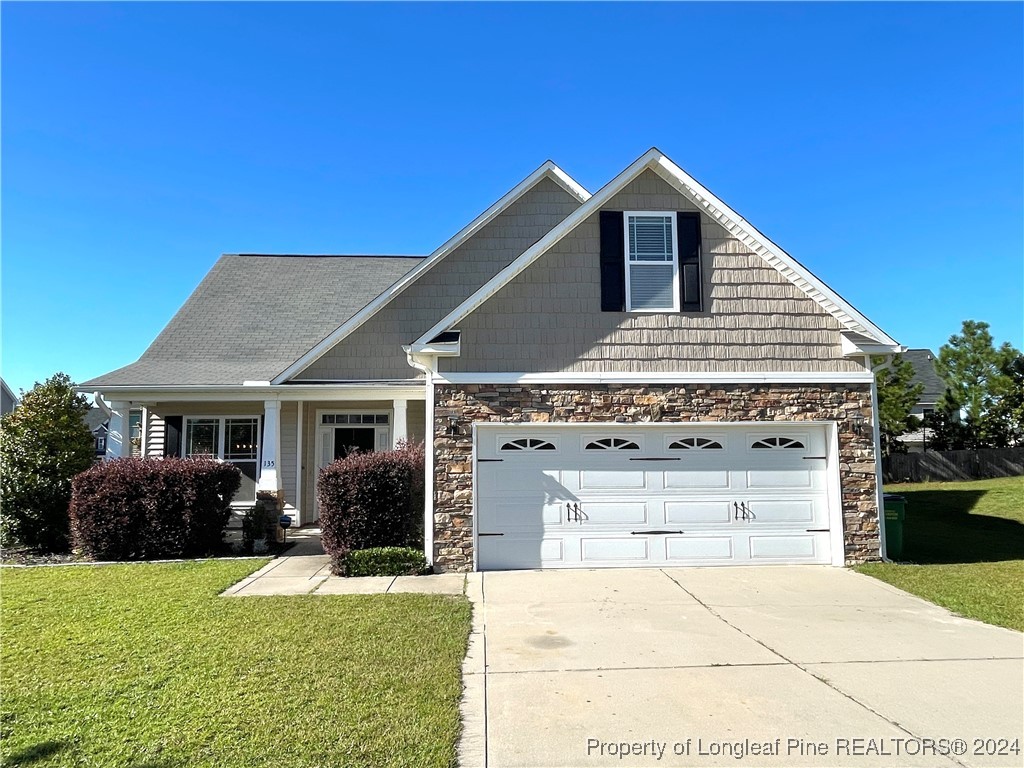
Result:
x=528 y=444
x=777 y=443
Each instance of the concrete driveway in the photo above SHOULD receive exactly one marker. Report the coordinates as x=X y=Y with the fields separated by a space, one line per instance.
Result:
x=800 y=666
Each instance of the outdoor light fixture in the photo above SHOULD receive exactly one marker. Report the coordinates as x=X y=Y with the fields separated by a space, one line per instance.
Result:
x=453 y=425
x=857 y=422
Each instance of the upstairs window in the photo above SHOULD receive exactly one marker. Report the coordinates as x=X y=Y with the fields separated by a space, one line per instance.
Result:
x=650 y=261
x=651 y=266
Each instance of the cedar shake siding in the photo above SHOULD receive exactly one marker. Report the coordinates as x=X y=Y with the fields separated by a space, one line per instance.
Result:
x=549 y=317
x=374 y=350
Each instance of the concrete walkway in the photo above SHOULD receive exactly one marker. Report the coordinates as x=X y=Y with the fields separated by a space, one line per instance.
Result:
x=305 y=569
x=802 y=666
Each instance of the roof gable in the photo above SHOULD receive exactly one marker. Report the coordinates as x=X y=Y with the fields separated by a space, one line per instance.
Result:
x=728 y=219
x=547 y=170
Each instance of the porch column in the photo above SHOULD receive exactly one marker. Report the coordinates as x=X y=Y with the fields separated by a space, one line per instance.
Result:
x=117 y=432
x=399 y=430
x=270 y=461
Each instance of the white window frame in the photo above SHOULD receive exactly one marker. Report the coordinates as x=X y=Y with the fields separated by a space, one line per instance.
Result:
x=222 y=436
x=628 y=265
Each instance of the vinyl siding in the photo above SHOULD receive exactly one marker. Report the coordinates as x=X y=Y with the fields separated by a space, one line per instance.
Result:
x=548 y=318
x=374 y=350
x=286 y=452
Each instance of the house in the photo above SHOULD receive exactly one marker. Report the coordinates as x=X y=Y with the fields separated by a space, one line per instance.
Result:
x=98 y=422
x=8 y=401
x=627 y=378
x=925 y=374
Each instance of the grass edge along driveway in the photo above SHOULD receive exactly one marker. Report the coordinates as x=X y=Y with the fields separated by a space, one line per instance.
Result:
x=143 y=665
x=963 y=548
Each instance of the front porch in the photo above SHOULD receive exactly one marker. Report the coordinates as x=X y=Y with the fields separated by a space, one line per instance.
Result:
x=279 y=437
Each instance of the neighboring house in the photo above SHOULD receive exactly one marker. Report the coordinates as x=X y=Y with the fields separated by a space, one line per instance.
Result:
x=923 y=362
x=99 y=423
x=8 y=401
x=634 y=377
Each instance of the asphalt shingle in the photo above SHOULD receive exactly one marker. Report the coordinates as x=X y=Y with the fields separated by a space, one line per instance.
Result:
x=252 y=316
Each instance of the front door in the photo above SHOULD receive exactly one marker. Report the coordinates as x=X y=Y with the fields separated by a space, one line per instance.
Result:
x=340 y=434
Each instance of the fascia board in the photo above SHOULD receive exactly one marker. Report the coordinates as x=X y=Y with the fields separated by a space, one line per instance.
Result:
x=654 y=377
x=308 y=392
x=547 y=170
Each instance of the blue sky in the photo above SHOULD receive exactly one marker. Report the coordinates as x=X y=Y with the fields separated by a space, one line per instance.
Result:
x=880 y=144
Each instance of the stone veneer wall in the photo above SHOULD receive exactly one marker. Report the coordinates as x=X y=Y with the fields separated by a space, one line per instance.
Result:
x=513 y=403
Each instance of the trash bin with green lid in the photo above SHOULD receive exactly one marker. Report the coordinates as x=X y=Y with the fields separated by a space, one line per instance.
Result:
x=895 y=513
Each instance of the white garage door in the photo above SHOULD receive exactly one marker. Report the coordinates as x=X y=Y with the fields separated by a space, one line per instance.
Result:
x=565 y=497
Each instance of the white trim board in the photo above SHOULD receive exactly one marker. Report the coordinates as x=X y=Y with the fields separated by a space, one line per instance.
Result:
x=611 y=377
x=341 y=391
x=732 y=222
x=548 y=170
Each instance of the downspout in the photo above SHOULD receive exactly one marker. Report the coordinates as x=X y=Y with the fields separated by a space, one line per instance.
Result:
x=427 y=364
x=879 y=493
x=97 y=398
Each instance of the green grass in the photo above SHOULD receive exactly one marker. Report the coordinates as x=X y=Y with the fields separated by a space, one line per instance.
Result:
x=963 y=548
x=145 y=666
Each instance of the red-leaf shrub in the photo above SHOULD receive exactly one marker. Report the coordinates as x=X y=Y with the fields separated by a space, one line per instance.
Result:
x=371 y=500
x=141 y=509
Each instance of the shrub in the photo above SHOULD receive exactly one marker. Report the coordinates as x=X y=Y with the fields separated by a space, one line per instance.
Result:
x=141 y=509
x=371 y=500
x=259 y=522
x=44 y=442
x=385 y=561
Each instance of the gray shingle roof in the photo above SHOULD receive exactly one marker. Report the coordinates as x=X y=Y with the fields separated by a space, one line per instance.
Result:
x=923 y=361
x=252 y=316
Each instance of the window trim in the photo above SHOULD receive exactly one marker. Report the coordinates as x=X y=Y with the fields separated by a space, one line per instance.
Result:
x=628 y=265
x=222 y=437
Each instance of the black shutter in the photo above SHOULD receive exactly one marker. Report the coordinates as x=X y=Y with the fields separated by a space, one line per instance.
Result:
x=172 y=435
x=690 y=280
x=613 y=262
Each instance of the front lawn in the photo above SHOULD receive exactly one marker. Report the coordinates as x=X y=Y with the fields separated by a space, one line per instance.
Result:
x=145 y=666
x=963 y=548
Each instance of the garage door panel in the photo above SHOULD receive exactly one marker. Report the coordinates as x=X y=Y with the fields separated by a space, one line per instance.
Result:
x=614 y=549
x=766 y=512
x=696 y=478
x=779 y=478
x=521 y=513
x=698 y=548
x=698 y=512
x=600 y=479
x=795 y=547
x=615 y=512
x=525 y=475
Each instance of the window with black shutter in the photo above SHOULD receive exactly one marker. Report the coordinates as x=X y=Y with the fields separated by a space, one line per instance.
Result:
x=650 y=261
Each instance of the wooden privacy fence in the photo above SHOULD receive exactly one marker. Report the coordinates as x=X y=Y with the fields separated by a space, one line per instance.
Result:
x=953 y=465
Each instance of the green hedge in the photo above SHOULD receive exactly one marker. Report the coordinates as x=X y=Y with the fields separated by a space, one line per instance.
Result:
x=385 y=561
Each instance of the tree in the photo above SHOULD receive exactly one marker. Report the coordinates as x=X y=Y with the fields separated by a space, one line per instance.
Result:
x=1005 y=422
x=896 y=398
x=974 y=372
x=44 y=443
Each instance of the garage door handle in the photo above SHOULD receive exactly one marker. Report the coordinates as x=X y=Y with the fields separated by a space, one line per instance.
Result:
x=817 y=530
x=481 y=461
x=652 y=533
x=823 y=458
x=490 y=534
x=668 y=458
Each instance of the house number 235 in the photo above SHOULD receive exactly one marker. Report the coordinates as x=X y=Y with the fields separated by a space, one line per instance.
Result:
x=269 y=464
